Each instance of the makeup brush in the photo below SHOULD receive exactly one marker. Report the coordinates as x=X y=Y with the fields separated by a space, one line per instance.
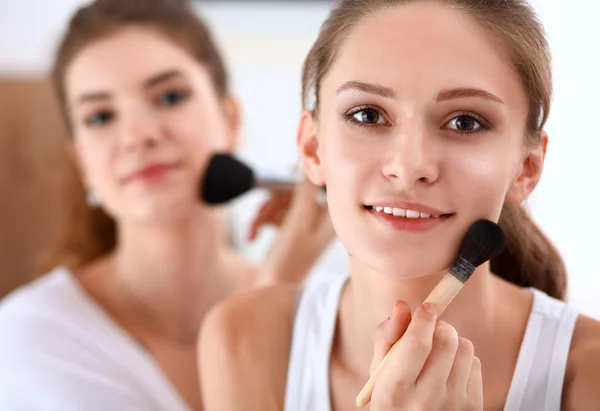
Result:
x=484 y=240
x=227 y=177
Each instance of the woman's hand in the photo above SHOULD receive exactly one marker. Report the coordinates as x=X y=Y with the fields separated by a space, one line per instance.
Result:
x=305 y=231
x=306 y=198
x=430 y=368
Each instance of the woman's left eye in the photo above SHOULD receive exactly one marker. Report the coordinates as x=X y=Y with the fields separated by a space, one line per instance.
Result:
x=465 y=124
x=171 y=98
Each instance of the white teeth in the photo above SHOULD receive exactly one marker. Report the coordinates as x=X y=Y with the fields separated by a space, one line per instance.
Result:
x=399 y=212
x=412 y=214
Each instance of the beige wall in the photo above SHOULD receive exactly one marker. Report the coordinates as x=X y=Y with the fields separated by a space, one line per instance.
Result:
x=32 y=167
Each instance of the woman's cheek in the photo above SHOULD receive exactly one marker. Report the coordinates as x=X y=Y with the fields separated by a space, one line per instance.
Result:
x=484 y=182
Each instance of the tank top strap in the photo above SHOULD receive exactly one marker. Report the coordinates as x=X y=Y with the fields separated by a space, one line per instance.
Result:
x=307 y=386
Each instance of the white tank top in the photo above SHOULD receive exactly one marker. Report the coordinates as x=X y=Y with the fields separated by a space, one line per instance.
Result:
x=536 y=385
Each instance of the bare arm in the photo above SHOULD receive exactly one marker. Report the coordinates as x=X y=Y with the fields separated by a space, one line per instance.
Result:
x=582 y=382
x=244 y=348
x=305 y=232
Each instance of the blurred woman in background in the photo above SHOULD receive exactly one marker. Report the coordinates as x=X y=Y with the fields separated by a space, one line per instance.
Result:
x=114 y=321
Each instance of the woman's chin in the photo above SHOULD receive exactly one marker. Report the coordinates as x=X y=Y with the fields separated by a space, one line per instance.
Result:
x=402 y=266
x=160 y=212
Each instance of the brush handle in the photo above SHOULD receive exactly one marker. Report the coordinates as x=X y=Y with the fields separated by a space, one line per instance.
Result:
x=443 y=293
x=441 y=297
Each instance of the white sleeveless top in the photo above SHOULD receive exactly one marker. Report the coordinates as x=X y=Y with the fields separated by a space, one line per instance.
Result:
x=60 y=351
x=537 y=383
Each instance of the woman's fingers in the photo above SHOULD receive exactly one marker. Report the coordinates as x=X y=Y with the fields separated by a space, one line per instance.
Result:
x=463 y=363
x=437 y=368
x=408 y=356
x=389 y=331
x=475 y=385
x=429 y=367
x=273 y=211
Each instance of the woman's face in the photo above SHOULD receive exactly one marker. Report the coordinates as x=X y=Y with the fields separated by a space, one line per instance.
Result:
x=420 y=132
x=146 y=118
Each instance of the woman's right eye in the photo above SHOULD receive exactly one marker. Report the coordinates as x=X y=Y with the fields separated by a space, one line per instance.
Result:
x=98 y=119
x=369 y=116
x=366 y=116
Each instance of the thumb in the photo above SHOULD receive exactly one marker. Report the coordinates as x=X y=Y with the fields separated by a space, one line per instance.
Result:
x=390 y=331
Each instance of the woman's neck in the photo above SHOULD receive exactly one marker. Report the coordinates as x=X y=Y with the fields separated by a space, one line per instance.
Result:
x=171 y=274
x=370 y=296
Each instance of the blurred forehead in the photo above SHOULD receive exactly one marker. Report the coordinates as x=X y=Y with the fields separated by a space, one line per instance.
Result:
x=124 y=59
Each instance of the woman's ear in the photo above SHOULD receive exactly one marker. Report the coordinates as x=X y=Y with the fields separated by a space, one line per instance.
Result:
x=233 y=117
x=530 y=172
x=308 y=147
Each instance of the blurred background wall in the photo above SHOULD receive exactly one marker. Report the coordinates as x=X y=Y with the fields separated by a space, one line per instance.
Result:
x=264 y=44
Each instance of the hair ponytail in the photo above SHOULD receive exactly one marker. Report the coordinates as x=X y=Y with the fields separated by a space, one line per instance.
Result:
x=530 y=259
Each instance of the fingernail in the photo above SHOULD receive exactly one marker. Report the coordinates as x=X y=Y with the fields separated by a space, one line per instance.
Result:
x=393 y=313
x=396 y=309
x=430 y=309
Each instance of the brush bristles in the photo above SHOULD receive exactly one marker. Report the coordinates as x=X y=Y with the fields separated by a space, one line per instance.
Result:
x=226 y=178
x=484 y=240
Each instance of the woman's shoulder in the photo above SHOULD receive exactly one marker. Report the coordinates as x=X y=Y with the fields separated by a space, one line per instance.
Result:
x=49 y=317
x=38 y=312
x=40 y=342
x=42 y=292
x=250 y=317
x=266 y=312
x=244 y=347
x=583 y=367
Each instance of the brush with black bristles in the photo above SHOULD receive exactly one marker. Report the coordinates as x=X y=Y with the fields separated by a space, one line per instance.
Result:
x=484 y=240
x=227 y=178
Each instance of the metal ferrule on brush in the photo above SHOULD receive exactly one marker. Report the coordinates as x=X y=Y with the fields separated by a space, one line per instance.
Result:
x=462 y=269
x=278 y=181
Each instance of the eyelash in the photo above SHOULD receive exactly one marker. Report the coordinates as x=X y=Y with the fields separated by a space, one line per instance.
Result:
x=483 y=123
x=349 y=117
x=182 y=96
x=90 y=120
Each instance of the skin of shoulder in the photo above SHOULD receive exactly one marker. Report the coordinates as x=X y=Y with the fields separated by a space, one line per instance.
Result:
x=582 y=377
x=243 y=350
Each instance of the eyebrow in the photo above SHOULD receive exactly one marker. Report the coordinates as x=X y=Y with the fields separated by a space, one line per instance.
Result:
x=93 y=96
x=457 y=93
x=151 y=82
x=444 y=95
x=370 y=88
x=162 y=77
